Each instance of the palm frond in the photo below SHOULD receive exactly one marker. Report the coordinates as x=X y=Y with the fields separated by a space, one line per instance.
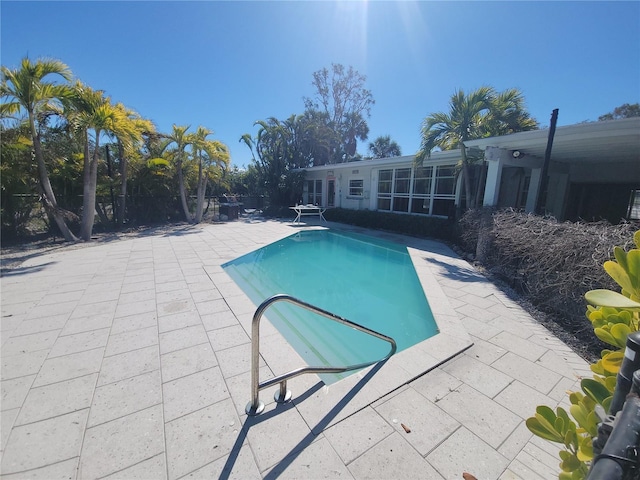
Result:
x=10 y=109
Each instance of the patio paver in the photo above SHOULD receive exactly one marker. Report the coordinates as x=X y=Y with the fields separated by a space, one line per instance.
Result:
x=130 y=359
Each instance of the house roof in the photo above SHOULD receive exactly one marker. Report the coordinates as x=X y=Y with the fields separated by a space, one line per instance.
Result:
x=447 y=157
x=613 y=141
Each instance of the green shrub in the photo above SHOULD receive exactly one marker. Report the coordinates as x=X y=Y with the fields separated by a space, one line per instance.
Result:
x=275 y=211
x=414 y=225
x=613 y=316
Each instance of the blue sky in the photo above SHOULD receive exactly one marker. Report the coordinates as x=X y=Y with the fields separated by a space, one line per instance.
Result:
x=225 y=65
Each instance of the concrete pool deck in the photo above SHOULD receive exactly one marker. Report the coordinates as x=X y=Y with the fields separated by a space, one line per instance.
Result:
x=131 y=358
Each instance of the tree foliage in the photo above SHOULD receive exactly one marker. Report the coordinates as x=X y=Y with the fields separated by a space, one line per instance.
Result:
x=211 y=158
x=129 y=147
x=320 y=139
x=28 y=90
x=282 y=149
x=384 y=147
x=623 y=111
x=196 y=160
x=17 y=178
x=88 y=111
x=478 y=114
x=55 y=135
x=341 y=104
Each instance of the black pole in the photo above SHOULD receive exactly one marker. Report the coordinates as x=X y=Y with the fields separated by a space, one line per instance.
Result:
x=630 y=363
x=617 y=458
x=544 y=180
x=113 y=200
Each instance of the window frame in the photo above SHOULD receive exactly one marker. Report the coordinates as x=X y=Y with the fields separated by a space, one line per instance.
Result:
x=314 y=191
x=353 y=188
x=431 y=177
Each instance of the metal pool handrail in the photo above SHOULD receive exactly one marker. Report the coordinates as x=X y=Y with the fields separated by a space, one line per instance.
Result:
x=255 y=406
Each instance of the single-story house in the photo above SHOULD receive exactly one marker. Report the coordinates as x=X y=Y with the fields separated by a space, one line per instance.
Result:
x=593 y=173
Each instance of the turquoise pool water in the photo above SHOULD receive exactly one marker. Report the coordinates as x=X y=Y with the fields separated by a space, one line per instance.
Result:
x=366 y=280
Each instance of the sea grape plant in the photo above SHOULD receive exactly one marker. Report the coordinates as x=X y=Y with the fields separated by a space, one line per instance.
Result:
x=613 y=317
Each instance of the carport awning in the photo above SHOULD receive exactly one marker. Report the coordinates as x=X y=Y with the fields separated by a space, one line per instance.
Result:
x=613 y=141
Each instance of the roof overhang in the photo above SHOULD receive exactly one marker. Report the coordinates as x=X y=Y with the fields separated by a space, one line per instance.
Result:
x=436 y=158
x=613 y=141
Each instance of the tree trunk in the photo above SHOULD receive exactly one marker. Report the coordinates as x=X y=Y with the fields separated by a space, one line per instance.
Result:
x=123 y=187
x=89 y=188
x=183 y=194
x=482 y=178
x=466 y=177
x=202 y=186
x=49 y=199
x=114 y=206
x=202 y=189
x=102 y=213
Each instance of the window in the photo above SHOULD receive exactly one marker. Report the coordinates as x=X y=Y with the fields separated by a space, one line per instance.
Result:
x=422 y=179
x=634 y=206
x=401 y=190
x=443 y=207
x=384 y=204
x=421 y=205
x=445 y=181
x=403 y=180
x=427 y=190
x=401 y=204
x=385 y=178
x=356 y=187
x=314 y=191
x=385 y=182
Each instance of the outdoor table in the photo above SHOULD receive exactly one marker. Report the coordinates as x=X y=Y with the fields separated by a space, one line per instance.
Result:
x=304 y=210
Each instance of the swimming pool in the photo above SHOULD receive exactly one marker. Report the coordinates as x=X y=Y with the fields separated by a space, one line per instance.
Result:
x=367 y=280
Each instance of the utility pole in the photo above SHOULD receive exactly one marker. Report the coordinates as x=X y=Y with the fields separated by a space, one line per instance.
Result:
x=544 y=175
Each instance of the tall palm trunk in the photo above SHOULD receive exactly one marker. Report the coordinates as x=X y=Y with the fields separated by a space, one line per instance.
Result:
x=482 y=178
x=49 y=199
x=183 y=193
x=466 y=177
x=202 y=188
x=123 y=186
x=90 y=185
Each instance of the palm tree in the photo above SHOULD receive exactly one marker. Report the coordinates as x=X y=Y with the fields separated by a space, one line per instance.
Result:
x=126 y=148
x=384 y=147
x=450 y=130
x=209 y=155
x=27 y=90
x=281 y=148
x=355 y=128
x=507 y=114
x=320 y=140
x=481 y=113
x=182 y=140
x=90 y=110
x=151 y=175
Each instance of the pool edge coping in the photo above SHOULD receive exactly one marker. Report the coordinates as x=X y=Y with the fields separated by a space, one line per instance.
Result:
x=322 y=406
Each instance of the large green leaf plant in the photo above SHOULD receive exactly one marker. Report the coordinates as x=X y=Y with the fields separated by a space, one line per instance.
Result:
x=613 y=316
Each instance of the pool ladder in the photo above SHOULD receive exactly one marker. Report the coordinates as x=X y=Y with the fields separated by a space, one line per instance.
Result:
x=255 y=406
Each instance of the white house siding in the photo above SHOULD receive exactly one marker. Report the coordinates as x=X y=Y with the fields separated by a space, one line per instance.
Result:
x=603 y=154
x=357 y=183
x=501 y=186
